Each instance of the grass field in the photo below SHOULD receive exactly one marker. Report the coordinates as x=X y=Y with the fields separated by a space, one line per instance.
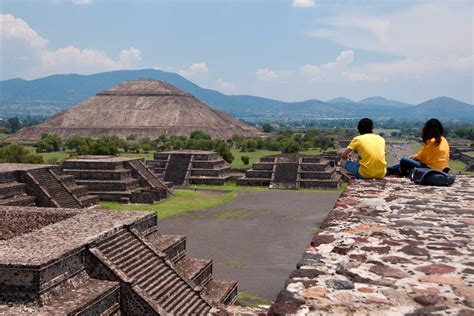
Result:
x=3 y=136
x=457 y=165
x=251 y=300
x=182 y=202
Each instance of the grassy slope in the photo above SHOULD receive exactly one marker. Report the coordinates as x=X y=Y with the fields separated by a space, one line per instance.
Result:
x=182 y=202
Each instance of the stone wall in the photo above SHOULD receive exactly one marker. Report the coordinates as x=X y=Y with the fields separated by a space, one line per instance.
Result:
x=389 y=247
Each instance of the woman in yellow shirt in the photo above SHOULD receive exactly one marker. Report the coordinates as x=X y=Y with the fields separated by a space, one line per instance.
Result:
x=434 y=154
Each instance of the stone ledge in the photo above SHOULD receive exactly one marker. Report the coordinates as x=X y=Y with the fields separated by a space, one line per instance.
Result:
x=389 y=247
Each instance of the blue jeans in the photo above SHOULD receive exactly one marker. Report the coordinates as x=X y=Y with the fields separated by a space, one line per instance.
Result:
x=353 y=167
x=405 y=166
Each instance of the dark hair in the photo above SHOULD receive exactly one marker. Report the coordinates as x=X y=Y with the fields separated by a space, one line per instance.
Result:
x=365 y=126
x=432 y=129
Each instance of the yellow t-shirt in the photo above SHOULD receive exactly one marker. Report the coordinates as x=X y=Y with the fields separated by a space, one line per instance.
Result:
x=434 y=156
x=371 y=149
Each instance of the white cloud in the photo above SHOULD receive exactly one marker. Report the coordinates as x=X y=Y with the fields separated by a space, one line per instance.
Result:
x=305 y=4
x=440 y=29
x=82 y=2
x=265 y=74
x=17 y=29
x=76 y=60
x=194 y=69
x=225 y=86
x=334 y=67
x=25 y=53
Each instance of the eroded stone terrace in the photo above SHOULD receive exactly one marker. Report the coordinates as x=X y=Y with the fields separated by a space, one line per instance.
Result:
x=389 y=247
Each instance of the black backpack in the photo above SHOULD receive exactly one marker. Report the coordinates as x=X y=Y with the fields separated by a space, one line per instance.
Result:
x=427 y=176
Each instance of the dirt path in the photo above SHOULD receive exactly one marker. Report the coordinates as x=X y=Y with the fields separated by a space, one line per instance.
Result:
x=256 y=238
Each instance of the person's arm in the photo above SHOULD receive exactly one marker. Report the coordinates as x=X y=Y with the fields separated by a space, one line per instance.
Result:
x=420 y=156
x=346 y=153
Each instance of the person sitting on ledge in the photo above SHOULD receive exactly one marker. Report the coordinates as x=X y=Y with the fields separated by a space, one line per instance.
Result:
x=371 y=150
x=434 y=154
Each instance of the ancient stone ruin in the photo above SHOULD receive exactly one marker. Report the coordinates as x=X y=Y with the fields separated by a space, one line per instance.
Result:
x=184 y=167
x=94 y=262
x=389 y=247
x=41 y=185
x=139 y=108
x=117 y=178
x=293 y=171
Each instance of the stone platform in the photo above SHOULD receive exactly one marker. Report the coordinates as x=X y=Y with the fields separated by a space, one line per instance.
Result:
x=184 y=167
x=95 y=262
x=41 y=185
x=389 y=247
x=293 y=171
x=117 y=178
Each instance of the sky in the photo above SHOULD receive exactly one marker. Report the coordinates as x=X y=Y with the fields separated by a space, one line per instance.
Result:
x=290 y=50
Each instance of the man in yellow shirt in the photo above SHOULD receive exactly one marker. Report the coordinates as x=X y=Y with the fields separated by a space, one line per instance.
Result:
x=371 y=150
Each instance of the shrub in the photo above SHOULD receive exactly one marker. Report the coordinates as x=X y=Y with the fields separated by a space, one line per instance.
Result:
x=16 y=153
x=49 y=143
x=245 y=159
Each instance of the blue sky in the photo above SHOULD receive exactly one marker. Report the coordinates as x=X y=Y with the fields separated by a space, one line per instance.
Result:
x=285 y=49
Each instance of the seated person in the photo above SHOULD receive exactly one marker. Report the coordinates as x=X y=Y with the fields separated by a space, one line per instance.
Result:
x=434 y=154
x=371 y=149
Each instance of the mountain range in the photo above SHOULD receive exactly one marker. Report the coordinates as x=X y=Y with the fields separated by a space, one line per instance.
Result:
x=49 y=95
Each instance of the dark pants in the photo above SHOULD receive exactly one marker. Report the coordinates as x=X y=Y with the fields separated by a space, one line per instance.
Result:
x=405 y=166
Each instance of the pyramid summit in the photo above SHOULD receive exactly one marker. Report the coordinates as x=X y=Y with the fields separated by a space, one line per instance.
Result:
x=143 y=108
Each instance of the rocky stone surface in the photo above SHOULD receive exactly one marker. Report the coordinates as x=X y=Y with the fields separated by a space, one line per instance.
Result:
x=389 y=247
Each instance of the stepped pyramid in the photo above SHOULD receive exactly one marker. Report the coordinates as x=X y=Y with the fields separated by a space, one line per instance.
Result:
x=94 y=262
x=142 y=108
x=293 y=171
x=41 y=185
x=183 y=167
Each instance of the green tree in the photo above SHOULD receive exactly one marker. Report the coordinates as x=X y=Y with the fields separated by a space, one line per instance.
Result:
x=224 y=150
x=14 y=124
x=290 y=147
x=15 y=153
x=245 y=160
x=267 y=128
x=49 y=143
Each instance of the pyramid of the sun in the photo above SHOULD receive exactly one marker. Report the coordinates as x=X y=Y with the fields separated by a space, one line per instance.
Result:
x=142 y=108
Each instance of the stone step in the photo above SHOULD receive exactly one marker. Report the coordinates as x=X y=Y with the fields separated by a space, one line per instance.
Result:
x=87 y=174
x=220 y=292
x=78 y=190
x=19 y=200
x=110 y=185
x=173 y=245
x=160 y=281
x=89 y=200
x=54 y=188
x=85 y=296
x=210 y=180
x=332 y=183
x=13 y=188
x=197 y=270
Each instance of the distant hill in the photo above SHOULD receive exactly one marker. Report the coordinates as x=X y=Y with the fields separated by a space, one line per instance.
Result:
x=46 y=96
x=380 y=101
x=340 y=100
x=444 y=107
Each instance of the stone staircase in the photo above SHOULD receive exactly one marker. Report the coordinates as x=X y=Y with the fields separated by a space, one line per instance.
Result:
x=117 y=179
x=285 y=176
x=183 y=167
x=198 y=271
x=146 y=175
x=177 y=169
x=58 y=193
x=151 y=272
x=293 y=172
